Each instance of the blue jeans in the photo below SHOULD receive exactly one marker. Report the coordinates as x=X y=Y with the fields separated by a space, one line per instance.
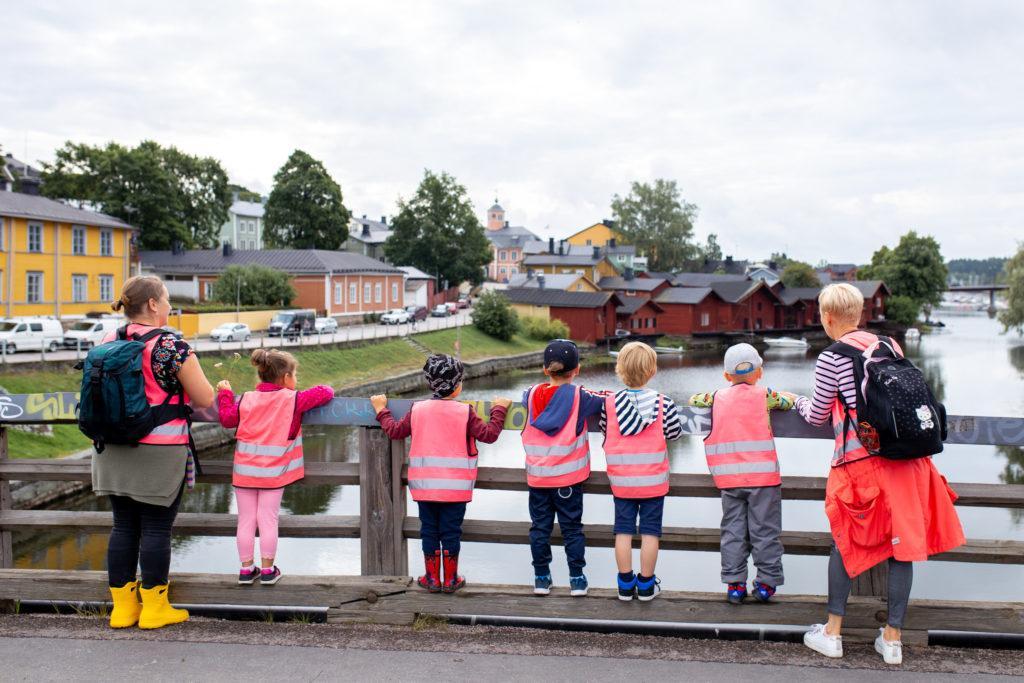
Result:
x=441 y=525
x=567 y=504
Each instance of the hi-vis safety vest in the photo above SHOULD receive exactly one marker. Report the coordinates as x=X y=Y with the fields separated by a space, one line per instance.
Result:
x=637 y=464
x=741 y=448
x=441 y=468
x=266 y=455
x=559 y=460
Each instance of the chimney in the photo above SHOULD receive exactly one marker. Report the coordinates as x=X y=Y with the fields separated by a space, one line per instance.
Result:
x=628 y=275
x=540 y=282
x=506 y=224
x=366 y=229
x=597 y=252
x=611 y=243
x=561 y=248
x=384 y=220
x=227 y=249
x=728 y=260
x=551 y=245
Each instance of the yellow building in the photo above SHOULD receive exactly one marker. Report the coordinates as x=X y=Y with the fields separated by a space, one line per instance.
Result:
x=569 y=282
x=597 y=234
x=587 y=261
x=58 y=260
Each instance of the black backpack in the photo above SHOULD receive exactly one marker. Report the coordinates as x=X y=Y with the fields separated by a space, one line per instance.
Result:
x=897 y=414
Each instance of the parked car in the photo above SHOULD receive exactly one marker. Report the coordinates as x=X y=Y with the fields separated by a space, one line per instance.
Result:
x=440 y=311
x=396 y=316
x=417 y=312
x=326 y=325
x=89 y=332
x=31 y=334
x=463 y=301
x=231 y=332
x=174 y=330
x=292 y=323
x=453 y=307
x=619 y=332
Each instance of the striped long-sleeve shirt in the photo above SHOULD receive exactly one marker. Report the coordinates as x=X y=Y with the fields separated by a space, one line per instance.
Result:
x=832 y=374
x=635 y=409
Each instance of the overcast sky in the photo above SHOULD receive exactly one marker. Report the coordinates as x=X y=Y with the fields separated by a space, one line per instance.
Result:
x=823 y=129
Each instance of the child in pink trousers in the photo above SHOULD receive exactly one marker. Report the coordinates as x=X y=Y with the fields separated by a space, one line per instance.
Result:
x=268 y=454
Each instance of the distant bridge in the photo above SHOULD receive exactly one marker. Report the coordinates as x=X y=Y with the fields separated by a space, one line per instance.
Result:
x=977 y=289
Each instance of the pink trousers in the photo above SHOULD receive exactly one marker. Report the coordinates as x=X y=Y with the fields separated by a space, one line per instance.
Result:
x=257 y=509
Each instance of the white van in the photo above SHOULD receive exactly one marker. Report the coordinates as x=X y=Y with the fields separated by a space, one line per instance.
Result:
x=89 y=332
x=30 y=334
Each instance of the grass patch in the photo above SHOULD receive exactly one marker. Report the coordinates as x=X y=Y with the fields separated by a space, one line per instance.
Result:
x=429 y=622
x=66 y=440
x=41 y=381
x=476 y=345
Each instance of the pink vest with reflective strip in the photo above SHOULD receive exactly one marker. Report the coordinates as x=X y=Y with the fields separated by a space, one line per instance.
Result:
x=169 y=433
x=440 y=467
x=741 y=448
x=559 y=460
x=266 y=457
x=637 y=464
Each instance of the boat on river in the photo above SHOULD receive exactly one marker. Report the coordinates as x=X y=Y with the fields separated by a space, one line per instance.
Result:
x=912 y=333
x=786 y=343
x=660 y=350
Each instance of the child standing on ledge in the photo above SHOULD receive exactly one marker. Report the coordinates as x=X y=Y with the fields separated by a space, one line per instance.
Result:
x=442 y=464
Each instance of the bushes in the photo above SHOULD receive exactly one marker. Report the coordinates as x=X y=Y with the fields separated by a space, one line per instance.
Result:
x=253 y=285
x=493 y=316
x=543 y=330
x=902 y=309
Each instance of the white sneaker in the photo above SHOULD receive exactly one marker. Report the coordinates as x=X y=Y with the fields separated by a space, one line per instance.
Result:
x=891 y=651
x=823 y=643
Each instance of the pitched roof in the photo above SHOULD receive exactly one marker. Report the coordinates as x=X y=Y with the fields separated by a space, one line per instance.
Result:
x=240 y=208
x=728 y=265
x=790 y=295
x=638 y=284
x=705 y=279
x=414 y=273
x=546 y=259
x=551 y=281
x=842 y=268
x=510 y=236
x=657 y=274
x=605 y=222
x=559 y=298
x=683 y=295
x=632 y=304
x=294 y=261
x=869 y=287
x=41 y=208
x=735 y=292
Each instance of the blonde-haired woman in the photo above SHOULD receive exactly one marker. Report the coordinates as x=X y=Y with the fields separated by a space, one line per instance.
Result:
x=145 y=481
x=878 y=509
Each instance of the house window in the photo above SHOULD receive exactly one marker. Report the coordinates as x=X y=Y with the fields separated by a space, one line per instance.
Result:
x=378 y=293
x=878 y=301
x=394 y=292
x=513 y=271
x=705 y=319
x=339 y=293
x=353 y=294
x=366 y=293
x=207 y=290
x=589 y=244
x=35 y=237
x=34 y=287
x=106 y=243
x=503 y=270
x=106 y=287
x=79 y=288
x=503 y=256
x=78 y=240
x=759 y=306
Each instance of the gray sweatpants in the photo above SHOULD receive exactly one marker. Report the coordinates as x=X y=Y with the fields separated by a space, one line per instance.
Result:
x=751 y=525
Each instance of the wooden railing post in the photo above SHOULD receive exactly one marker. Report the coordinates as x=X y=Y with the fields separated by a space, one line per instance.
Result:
x=381 y=505
x=6 y=503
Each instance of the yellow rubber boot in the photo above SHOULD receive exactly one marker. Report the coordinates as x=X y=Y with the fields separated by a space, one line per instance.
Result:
x=126 y=605
x=157 y=611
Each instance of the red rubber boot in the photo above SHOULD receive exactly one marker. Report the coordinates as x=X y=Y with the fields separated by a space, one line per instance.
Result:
x=452 y=580
x=432 y=579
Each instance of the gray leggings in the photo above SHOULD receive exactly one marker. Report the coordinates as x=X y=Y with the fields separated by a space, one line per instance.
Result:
x=901 y=576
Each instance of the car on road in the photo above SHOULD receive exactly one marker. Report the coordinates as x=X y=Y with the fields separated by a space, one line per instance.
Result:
x=292 y=323
x=326 y=325
x=230 y=332
x=463 y=301
x=31 y=334
x=396 y=316
x=440 y=311
x=453 y=307
x=87 y=333
x=417 y=312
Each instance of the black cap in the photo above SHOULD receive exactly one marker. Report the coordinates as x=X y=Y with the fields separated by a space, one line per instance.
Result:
x=564 y=352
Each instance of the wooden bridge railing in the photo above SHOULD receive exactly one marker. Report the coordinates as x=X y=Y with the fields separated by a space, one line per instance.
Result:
x=383 y=528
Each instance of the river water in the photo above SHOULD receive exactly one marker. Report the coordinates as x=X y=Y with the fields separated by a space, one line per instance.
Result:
x=972 y=368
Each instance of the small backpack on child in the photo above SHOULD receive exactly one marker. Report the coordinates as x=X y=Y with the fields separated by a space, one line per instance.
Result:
x=897 y=414
x=113 y=407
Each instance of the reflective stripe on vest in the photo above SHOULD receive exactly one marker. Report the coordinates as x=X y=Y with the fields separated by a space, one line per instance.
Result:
x=266 y=455
x=441 y=468
x=637 y=464
x=560 y=460
x=740 y=449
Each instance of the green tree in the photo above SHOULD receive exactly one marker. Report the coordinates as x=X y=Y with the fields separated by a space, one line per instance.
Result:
x=800 y=274
x=711 y=251
x=305 y=209
x=914 y=268
x=493 y=315
x=656 y=219
x=1013 y=317
x=169 y=195
x=253 y=285
x=438 y=232
x=780 y=259
x=902 y=309
x=244 y=193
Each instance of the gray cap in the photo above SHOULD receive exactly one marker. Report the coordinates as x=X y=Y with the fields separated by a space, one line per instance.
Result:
x=742 y=359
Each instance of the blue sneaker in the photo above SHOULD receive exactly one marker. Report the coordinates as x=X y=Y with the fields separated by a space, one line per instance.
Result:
x=737 y=592
x=542 y=585
x=645 y=592
x=578 y=586
x=763 y=592
x=627 y=589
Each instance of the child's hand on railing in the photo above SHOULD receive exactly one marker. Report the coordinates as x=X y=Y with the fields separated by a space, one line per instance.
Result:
x=788 y=395
x=499 y=401
x=223 y=385
x=379 y=402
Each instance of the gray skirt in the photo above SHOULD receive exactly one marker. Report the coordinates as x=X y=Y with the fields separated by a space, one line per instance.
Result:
x=147 y=473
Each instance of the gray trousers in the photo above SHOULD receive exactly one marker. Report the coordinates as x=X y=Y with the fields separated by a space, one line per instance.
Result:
x=751 y=525
x=901 y=577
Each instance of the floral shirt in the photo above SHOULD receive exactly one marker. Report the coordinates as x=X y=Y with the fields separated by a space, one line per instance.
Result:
x=169 y=354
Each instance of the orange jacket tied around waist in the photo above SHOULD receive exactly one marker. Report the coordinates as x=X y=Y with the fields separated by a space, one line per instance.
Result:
x=441 y=468
x=637 y=464
x=559 y=460
x=266 y=455
x=740 y=449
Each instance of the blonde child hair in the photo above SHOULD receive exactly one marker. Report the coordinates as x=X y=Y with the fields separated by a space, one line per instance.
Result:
x=843 y=301
x=637 y=364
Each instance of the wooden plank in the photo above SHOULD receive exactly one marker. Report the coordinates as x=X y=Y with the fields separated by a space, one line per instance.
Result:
x=204 y=589
x=214 y=471
x=6 y=503
x=187 y=523
x=381 y=553
x=708 y=539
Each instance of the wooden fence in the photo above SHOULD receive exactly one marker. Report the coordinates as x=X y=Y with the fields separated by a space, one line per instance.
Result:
x=385 y=593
